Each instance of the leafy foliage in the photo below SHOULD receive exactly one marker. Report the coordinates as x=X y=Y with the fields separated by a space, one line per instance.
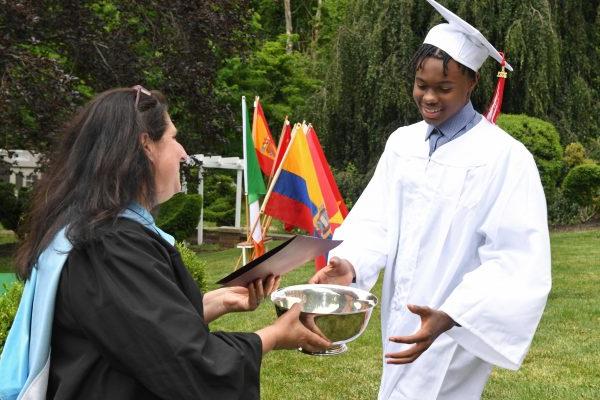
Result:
x=219 y=196
x=351 y=182
x=281 y=79
x=9 y=303
x=12 y=206
x=542 y=140
x=179 y=215
x=574 y=154
x=582 y=185
x=56 y=54
x=194 y=264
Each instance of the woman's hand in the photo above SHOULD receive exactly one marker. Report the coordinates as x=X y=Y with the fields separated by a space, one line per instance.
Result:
x=338 y=271
x=237 y=298
x=433 y=324
x=287 y=332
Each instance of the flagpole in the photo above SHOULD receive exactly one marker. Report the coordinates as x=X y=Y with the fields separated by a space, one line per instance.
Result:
x=244 y=143
x=286 y=122
x=266 y=224
x=279 y=168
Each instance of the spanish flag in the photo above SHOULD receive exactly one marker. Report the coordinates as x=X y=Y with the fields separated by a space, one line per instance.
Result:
x=263 y=141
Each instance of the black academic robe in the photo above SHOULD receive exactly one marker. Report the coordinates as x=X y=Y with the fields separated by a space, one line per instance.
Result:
x=129 y=324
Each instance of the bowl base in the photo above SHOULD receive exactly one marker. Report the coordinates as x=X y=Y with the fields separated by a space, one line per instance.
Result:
x=330 y=351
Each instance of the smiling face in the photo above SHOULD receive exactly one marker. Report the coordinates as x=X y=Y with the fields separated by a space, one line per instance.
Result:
x=439 y=96
x=166 y=155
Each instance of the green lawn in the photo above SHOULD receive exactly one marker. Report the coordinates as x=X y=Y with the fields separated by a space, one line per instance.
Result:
x=563 y=363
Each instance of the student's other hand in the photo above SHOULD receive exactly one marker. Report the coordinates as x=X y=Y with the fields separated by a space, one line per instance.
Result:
x=339 y=271
x=433 y=324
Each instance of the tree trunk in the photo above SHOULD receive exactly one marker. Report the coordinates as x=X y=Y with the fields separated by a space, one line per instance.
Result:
x=288 y=24
x=316 y=28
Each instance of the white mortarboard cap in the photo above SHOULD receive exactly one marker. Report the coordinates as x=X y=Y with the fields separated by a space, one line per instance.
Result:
x=461 y=41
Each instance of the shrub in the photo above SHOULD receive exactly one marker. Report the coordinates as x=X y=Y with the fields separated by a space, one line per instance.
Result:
x=179 y=216
x=221 y=211
x=582 y=185
x=542 y=140
x=218 y=186
x=219 y=196
x=574 y=154
x=351 y=182
x=194 y=264
x=12 y=206
x=562 y=210
x=9 y=302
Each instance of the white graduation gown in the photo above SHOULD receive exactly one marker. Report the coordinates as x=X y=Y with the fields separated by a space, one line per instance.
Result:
x=464 y=231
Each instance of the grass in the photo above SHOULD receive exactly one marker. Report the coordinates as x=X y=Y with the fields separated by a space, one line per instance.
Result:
x=564 y=360
x=291 y=374
x=563 y=363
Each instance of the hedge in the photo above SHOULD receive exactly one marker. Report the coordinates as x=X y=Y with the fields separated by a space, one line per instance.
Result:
x=194 y=264
x=221 y=211
x=179 y=216
x=12 y=206
x=582 y=185
x=219 y=199
x=543 y=141
x=9 y=302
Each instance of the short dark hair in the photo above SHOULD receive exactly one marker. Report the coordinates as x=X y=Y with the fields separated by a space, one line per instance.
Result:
x=100 y=167
x=430 y=51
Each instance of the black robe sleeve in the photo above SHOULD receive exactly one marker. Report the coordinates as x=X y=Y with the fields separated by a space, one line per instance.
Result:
x=125 y=297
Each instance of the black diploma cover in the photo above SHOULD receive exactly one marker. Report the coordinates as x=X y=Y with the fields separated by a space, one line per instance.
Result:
x=289 y=255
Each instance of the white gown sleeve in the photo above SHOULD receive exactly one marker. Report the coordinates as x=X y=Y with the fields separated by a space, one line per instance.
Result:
x=364 y=231
x=500 y=303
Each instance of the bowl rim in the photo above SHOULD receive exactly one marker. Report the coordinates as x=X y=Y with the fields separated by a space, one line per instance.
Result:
x=330 y=286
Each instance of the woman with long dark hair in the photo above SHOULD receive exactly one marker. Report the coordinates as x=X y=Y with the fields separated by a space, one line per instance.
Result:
x=109 y=310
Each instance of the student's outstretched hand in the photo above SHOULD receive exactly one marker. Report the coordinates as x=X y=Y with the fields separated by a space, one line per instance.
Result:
x=433 y=324
x=339 y=271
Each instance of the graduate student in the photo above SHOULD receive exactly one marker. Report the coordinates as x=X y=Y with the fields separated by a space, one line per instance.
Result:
x=455 y=214
x=109 y=311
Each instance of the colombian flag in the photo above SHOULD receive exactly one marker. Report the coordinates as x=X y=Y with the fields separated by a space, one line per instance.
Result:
x=297 y=198
x=263 y=141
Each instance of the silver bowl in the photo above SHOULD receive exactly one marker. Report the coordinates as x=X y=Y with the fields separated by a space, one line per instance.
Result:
x=339 y=313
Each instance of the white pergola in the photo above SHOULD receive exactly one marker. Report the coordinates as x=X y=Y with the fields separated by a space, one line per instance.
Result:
x=219 y=162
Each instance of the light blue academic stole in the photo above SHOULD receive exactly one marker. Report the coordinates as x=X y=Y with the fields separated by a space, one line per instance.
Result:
x=25 y=360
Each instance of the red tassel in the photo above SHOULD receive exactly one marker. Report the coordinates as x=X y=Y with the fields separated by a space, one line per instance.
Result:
x=496 y=103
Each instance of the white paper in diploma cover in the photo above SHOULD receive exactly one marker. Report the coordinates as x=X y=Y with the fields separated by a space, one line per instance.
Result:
x=289 y=255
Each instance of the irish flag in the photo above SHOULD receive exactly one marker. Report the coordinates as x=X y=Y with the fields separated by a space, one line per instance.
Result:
x=253 y=183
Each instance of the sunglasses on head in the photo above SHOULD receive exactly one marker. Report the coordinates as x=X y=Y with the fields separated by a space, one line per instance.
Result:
x=140 y=89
